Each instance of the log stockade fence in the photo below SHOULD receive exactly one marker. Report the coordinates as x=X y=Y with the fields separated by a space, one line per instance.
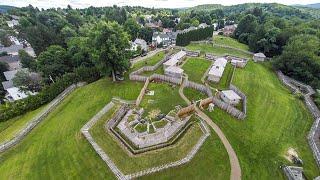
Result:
x=307 y=92
x=135 y=76
x=40 y=117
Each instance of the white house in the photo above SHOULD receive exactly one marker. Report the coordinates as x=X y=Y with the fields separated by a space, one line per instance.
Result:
x=12 y=23
x=203 y=25
x=217 y=69
x=160 y=38
x=142 y=43
x=175 y=59
x=13 y=93
x=259 y=57
x=230 y=97
x=174 y=71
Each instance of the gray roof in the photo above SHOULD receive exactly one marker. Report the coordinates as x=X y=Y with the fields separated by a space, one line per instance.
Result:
x=7 y=84
x=161 y=35
x=260 y=55
x=10 y=74
x=230 y=94
x=11 y=49
x=9 y=59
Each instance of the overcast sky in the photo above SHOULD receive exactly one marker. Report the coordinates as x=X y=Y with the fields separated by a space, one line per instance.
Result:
x=146 y=3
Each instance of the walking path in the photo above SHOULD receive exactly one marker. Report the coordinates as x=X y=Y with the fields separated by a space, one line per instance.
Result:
x=234 y=162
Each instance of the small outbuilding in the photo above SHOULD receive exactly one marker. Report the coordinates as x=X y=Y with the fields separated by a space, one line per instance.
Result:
x=259 y=57
x=175 y=59
x=215 y=73
x=174 y=71
x=230 y=97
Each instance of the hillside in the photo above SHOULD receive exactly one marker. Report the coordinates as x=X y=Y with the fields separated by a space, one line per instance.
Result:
x=5 y=8
x=315 y=6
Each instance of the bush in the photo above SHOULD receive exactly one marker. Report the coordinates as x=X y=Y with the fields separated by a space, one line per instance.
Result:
x=13 y=109
x=195 y=35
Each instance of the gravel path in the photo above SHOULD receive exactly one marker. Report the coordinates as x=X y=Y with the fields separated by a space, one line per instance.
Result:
x=234 y=162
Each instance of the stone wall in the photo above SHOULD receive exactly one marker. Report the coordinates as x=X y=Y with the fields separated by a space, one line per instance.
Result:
x=36 y=120
x=314 y=133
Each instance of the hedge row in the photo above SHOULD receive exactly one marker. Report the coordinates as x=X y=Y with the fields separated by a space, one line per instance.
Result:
x=195 y=35
x=48 y=93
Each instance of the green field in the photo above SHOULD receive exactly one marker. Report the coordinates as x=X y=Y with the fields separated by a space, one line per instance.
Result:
x=57 y=148
x=195 y=68
x=149 y=61
x=228 y=41
x=165 y=98
x=12 y=126
x=219 y=51
x=276 y=120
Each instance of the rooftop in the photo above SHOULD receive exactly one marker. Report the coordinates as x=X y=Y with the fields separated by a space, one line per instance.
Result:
x=230 y=94
x=216 y=71
x=174 y=69
x=260 y=55
x=221 y=62
x=7 y=84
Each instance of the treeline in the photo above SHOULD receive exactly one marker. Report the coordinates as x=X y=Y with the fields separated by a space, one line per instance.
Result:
x=194 y=35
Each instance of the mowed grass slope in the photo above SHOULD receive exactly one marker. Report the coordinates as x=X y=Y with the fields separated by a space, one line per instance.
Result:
x=228 y=41
x=56 y=149
x=276 y=120
x=195 y=68
x=9 y=128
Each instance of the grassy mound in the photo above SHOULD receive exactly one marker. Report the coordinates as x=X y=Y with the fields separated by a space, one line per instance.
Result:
x=228 y=41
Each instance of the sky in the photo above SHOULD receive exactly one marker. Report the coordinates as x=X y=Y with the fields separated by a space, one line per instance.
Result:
x=146 y=3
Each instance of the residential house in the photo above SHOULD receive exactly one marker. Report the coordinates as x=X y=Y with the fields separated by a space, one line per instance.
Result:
x=12 y=23
x=159 y=38
x=217 y=69
x=17 y=45
x=174 y=71
x=12 y=60
x=13 y=93
x=142 y=43
x=203 y=25
x=229 y=29
x=230 y=97
x=259 y=57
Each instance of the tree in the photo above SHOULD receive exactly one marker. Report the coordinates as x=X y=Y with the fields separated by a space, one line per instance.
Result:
x=300 y=59
x=247 y=24
x=146 y=34
x=26 y=60
x=132 y=27
x=54 y=62
x=27 y=81
x=109 y=43
x=79 y=52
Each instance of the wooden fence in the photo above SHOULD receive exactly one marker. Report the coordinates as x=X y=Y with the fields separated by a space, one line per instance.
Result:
x=142 y=92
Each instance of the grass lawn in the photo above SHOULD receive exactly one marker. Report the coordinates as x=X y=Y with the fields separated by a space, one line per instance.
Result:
x=141 y=128
x=211 y=162
x=56 y=149
x=193 y=95
x=130 y=164
x=228 y=41
x=195 y=68
x=165 y=98
x=225 y=79
x=276 y=120
x=160 y=124
x=150 y=61
x=219 y=51
x=12 y=126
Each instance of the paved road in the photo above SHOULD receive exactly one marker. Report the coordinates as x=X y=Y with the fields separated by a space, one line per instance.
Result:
x=150 y=54
x=234 y=162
